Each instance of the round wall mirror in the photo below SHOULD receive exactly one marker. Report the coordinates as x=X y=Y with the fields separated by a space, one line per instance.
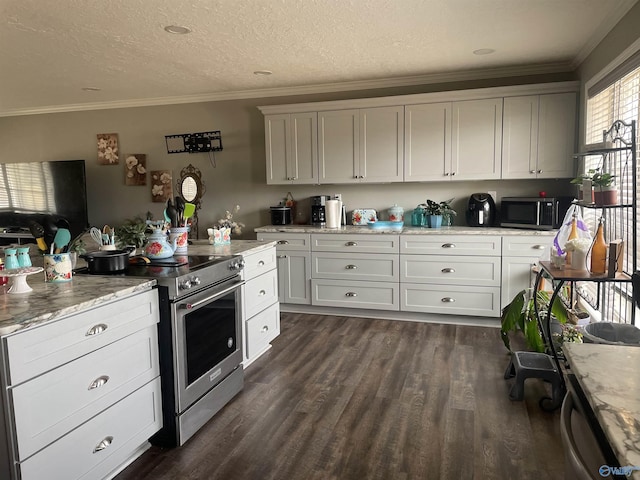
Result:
x=191 y=189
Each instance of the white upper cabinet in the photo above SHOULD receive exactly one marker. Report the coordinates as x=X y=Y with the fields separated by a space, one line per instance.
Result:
x=427 y=141
x=476 y=137
x=364 y=145
x=291 y=142
x=539 y=136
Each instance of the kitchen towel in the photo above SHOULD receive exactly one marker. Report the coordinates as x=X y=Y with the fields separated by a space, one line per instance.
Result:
x=334 y=213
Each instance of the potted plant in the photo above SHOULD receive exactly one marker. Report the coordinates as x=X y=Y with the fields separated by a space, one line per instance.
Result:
x=437 y=211
x=604 y=190
x=520 y=316
x=132 y=233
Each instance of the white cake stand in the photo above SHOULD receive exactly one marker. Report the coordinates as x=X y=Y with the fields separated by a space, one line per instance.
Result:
x=19 y=276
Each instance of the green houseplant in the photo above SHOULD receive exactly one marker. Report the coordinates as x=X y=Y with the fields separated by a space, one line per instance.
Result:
x=437 y=211
x=131 y=233
x=603 y=184
x=520 y=316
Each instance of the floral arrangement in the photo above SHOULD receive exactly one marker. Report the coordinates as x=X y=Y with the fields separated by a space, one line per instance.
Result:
x=577 y=245
x=570 y=333
x=227 y=221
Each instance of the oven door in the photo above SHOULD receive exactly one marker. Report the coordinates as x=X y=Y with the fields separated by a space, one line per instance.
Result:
x=207 y=340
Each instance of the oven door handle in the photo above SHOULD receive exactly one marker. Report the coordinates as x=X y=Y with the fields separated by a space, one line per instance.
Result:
x=190 y=306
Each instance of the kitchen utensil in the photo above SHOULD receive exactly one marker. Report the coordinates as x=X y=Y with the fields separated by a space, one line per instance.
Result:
x=37 y=231
x=189 y=210
x=180 y=209
x=107 y=261
x=96 y=235
x=62 y=239
x=166 y=217
x=50 y=229
x=172 y=213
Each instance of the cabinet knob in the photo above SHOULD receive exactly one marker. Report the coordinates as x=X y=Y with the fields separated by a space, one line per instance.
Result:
x=261 y=263
x=265 y=329
x=103 y=444
x=448 y=270
x=447 y=300
x=539 y=171
x=538 y=247
x=351 y=244
x=448 y=245
x=447 y=174
x=351 y=267
x=453 y=173
x=282 y=242
x=282 y=256
x=96 y=329
x=351 y=294
x=98 y=382
x=532 y=171
x=262 y=293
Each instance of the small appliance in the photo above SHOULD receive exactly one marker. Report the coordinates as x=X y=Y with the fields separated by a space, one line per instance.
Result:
x=538 y=213
x=319 y=210
x=481 y=210
x=280 y=215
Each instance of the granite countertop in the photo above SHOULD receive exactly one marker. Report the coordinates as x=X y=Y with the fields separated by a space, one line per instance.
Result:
x=50 y=301
x=406 y=230
x=610 y=379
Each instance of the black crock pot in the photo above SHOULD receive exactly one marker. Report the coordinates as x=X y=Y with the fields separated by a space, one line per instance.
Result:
x=107 y=261
x=280 y=215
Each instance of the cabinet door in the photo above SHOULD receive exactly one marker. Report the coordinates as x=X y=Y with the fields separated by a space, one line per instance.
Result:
x=381 y=144
x=520 y=137
x=557 y=135
x=339 y=146
x=516 y=276
x=291 y=142
x=294 y=277
x=427 y=154
x=476 y=139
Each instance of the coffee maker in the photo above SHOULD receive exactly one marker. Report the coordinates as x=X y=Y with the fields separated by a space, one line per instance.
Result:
x=318 y=210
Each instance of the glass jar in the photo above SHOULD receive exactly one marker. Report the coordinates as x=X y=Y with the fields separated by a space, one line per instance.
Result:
x=24 y=260
x=419 y=217
x=10 y=259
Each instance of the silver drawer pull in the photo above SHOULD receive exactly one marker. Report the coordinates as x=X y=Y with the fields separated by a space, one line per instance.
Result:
x=282 y=242
x=448 y=270
x=261 y=263
x=96 y=329
x=351 y=267
x=538 y=247
x=103 y=444
x=447 y=300
x=448 y=245
x=351 y=244
x=98 y=382
x=351 y=294
x=265 y=329
x=262 y=293
x=282 y=256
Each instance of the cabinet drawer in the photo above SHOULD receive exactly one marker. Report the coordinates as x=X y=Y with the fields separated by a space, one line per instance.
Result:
x=288 y=241
x=50 y=405
x=124 y=427
x=359 y=266
x=355 y=294
x=259 y=263
x=452 y=270
x=260 y=292
x=36 y=351
x=526 y=246
x=363 y=243
x=456 y=300
x=438 y=244
x=262 y=328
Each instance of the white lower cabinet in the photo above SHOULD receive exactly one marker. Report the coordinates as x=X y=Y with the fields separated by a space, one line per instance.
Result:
x=450 y=299
x=519 y=256
x=84 y=391
x=294 y=266
x=355 y=294
x=260 y=307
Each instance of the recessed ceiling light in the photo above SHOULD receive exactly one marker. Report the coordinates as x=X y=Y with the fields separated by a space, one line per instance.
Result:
x=483 y=51
x=177 y=29
x=262 y=72
x=91 y=89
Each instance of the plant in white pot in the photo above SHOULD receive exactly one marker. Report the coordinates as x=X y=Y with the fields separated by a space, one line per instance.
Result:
x=605 y=191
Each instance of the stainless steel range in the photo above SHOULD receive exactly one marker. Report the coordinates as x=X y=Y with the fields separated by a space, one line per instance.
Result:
x=200 y=335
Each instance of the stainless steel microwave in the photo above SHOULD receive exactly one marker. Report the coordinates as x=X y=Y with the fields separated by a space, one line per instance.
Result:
x=539 y=213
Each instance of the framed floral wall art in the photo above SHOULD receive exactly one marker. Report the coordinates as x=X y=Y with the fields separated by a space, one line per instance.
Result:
x=108 y=149
x=161 y=189
x=135 y=170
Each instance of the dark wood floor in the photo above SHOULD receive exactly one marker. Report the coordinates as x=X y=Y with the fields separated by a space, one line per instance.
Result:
x=353 y=398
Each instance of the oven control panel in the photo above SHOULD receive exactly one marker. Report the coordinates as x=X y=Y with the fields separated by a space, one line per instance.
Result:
x=237 y=264
x=186 y=284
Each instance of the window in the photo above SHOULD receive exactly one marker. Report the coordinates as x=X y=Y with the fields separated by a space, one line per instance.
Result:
x=618 y=100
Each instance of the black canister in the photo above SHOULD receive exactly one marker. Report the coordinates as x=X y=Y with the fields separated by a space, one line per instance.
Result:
x=280 y=215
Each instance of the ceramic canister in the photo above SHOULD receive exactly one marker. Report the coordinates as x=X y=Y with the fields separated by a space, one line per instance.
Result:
x=396 y=214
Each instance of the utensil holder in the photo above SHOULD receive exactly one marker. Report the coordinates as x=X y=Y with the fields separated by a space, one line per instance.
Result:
x=57 y=268
x=181 y=235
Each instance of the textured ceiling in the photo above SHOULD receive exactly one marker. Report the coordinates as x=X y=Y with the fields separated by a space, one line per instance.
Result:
x=51 y=49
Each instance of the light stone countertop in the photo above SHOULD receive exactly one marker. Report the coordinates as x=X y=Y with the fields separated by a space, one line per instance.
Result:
x=610 y=378
x=407 y=230
x=50 y=301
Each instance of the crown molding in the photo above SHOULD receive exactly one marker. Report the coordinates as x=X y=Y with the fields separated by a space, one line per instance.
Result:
x=502 y=72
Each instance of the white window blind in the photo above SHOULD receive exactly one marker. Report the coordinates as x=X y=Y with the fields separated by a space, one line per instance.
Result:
x=26 y=188
x=618 y=101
